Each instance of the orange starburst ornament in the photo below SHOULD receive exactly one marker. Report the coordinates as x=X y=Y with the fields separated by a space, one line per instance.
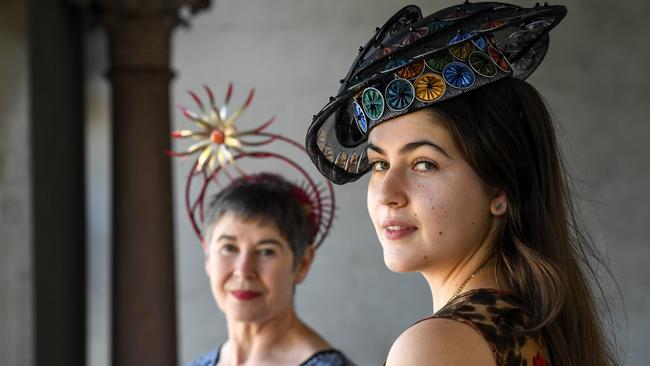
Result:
x=220 y=145
x=218 y=140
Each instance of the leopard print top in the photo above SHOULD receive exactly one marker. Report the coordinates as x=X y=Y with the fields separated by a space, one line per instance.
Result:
x=495 y=315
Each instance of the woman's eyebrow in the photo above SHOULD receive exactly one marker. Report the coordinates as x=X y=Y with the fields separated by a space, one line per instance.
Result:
x=227 y=237
x=375 y=148
x=417 y=144
x=410 y=147
x=269 y=241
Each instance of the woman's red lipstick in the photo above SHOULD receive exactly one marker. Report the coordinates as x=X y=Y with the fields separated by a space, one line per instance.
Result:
x=245 y=295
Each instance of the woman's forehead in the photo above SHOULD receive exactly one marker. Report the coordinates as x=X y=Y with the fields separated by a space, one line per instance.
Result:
x=410 y=127
x=233 y=223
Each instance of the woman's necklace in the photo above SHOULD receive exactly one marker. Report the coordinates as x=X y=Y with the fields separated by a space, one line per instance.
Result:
x=455 y=295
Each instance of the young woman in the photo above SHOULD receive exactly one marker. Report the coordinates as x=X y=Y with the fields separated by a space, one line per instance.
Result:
x=467 y=186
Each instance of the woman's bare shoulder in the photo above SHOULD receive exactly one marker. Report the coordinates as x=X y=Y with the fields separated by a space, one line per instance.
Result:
x=442 y=342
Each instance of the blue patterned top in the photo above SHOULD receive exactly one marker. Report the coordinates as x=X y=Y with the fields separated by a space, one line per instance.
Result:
x=330 y=357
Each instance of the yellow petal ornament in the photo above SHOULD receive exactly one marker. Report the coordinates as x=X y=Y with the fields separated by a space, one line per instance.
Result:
x=218 y=138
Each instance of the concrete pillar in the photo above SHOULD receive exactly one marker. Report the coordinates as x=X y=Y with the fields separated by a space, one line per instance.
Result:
x=57 y=182
x=143 y=296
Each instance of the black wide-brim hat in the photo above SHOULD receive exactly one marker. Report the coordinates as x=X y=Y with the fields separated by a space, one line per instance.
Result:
x=414 y=62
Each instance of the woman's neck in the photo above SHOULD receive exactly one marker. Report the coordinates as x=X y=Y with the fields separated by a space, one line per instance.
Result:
x=474 y=271
x=258 y=342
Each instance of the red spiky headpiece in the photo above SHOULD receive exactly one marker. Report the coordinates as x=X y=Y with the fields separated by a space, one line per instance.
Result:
x=219 y=145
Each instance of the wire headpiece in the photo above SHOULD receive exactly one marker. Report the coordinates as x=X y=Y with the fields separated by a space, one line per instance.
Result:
x=219 y=145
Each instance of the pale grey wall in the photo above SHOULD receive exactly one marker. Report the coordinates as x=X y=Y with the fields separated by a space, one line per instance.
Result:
x=595 y=78
x=98 y=180
x=16 y=342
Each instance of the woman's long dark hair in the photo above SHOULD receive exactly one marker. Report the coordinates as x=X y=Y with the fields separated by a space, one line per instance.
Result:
x=506 y=134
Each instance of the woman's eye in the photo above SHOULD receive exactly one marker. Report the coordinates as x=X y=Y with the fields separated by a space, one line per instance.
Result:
x=379 y=165
x=228 y=249
x=267 y=252
x=424 y=165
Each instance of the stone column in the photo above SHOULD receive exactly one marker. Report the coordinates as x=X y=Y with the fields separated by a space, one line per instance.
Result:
x=144 y=316
x=57 y=182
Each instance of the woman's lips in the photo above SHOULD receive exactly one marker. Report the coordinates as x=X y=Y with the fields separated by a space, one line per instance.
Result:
x=245 y=295
x=396 y=232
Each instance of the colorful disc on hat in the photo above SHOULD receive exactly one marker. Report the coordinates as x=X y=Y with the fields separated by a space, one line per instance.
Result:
x=342 y=159
x=438 y=25
x=458 y=75
x=373 y=103
x=360 y=117
x=481 y=43
x=482 y=64
x=352 y=163
x=394 y=64
x=385 y=51
x=509 y=49
x=491 y=25
x=411 y=71
x=524 y=36
x=328 y=153
x=461 y=36
x=527 y=61
x=498 y=59
x=429 y=87
x=459 y=14
x=439 y=60
x=540 y=25
x=460 y=11
x=413 y=36
x=399 y=94
x=462 y=51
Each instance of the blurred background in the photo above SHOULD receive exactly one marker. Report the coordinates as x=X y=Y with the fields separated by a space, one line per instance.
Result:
x=293 y=52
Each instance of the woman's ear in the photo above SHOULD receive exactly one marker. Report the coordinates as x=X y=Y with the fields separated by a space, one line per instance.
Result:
x=499 y=203
x=305 y=264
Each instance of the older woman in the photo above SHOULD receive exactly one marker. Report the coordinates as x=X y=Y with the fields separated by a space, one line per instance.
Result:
x=259 y=235
x=467 y=186
x=257 y=249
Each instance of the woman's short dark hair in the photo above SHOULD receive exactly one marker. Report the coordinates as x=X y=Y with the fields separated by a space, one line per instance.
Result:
x=269 y=198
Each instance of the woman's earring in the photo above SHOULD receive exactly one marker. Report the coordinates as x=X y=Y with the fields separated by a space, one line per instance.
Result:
x=499 y=205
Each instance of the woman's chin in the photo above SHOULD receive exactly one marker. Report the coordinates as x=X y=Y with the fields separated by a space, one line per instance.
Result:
x=244 y=316
x=401 y=263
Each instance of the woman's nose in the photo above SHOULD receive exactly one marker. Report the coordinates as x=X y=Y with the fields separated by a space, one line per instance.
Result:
x=391 y=189
x=245 y=265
